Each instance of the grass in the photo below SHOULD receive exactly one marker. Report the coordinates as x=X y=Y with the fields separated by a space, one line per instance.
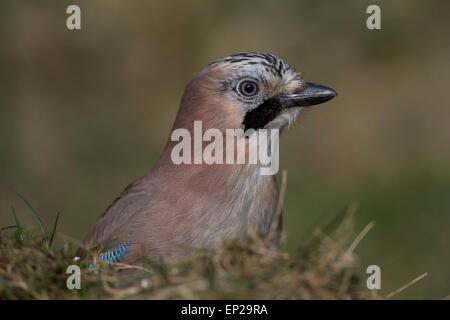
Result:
x=322 y=268
x=251 y=269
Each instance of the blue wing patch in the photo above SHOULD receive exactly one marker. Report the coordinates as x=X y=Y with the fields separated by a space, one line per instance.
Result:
x=116 y=254
x=113 y=255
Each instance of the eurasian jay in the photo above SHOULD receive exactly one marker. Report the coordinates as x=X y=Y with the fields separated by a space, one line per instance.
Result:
x=176 y=207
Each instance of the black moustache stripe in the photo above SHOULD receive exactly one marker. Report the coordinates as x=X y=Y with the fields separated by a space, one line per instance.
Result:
x=264 y=113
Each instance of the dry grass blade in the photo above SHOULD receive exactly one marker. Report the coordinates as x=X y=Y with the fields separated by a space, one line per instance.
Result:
x=360 y=236
x=275 y=223
x=390 y=295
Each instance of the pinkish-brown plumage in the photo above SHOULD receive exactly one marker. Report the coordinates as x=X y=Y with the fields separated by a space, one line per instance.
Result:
x=175 y=208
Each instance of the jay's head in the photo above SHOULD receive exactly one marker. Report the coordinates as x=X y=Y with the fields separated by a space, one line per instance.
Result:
x=248 y=91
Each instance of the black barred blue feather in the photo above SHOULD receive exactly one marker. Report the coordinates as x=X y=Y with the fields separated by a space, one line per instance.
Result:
x=114 y=255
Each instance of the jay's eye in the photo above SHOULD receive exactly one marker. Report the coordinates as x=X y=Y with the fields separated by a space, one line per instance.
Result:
x=248 y=88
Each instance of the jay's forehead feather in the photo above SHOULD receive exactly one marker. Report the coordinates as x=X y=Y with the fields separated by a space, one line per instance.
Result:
x=256 y=64
x=269 y=62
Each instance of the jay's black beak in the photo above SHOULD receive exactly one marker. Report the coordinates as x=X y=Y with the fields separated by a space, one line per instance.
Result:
x=311 y=95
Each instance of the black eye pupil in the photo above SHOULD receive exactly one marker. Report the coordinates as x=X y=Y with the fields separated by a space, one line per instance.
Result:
x=248 y=88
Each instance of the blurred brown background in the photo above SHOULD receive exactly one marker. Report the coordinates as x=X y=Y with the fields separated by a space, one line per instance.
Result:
x=83 y=113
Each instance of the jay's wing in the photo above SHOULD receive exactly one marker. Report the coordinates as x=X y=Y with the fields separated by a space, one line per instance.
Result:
x=107 y=230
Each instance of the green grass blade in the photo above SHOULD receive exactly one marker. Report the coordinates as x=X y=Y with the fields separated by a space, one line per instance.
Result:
x=54 y=229
x=16 y=219
x=30 y=207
